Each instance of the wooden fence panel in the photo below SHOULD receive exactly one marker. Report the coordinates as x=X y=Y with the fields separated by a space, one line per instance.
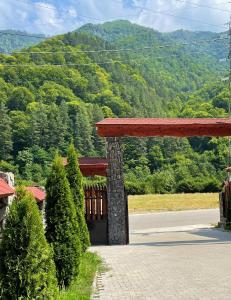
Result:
x=96 y=213
x=96 y=202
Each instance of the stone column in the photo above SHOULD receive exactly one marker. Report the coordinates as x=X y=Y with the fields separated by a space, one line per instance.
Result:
x=6 y=202
x=117 y=225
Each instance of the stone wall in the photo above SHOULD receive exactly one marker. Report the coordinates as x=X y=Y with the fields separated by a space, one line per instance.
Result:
x=7 y=201
x=117 y=208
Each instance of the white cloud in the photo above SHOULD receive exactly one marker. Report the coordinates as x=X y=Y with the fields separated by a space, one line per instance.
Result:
x=60 y=16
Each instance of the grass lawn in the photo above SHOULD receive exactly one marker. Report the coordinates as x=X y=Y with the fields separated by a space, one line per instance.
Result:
x=171 y=202
x=81 y=289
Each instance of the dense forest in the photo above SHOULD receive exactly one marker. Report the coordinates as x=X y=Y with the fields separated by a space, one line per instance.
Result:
x=11 y=40
x=58 y=89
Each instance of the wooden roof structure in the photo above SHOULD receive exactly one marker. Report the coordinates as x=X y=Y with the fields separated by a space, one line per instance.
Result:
x=37 y=192
x=175 y=127
x=91 y=166
x=5 y=189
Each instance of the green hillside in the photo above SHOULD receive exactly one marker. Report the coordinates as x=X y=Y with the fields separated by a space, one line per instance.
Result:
x=11 y=40
x=50 y=97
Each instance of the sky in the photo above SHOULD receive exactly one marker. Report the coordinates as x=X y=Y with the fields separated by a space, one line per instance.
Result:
x=52 y=17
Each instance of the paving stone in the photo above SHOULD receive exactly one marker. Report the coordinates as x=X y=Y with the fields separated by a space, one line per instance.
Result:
x=181 y=264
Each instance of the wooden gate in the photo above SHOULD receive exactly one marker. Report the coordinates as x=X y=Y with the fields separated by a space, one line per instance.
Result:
x=96 y=213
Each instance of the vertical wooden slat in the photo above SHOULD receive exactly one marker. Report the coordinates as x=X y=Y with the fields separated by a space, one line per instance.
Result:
x=88 y=205
x=93 y=204
x=96 y=202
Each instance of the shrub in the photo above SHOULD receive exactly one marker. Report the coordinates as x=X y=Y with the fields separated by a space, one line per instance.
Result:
x=188 y=185
x=211 y=185
x=198 y=185
x=134 y=188
x=161 y=182
x=27 y=269
x=75 y=179
x=62 y=228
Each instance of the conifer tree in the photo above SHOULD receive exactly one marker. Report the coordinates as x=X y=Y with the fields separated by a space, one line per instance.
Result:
x=76 y=183
x=62 y=227
x=27 y=269
x=6 y=134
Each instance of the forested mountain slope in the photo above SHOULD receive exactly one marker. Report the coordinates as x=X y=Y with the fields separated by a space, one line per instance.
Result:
x=11 y=40
x=58 y=89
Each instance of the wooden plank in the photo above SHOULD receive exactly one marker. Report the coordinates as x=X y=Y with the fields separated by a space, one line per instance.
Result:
x=88 y=204
x=98 y=203
x=164 y=127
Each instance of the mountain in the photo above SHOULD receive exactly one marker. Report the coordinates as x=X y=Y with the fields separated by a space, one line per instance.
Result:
x=11 y=40
x=177 y=58
x=58 y=89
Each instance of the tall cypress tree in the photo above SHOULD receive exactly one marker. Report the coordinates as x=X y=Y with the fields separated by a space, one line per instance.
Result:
x=76 y=183
x=62 y=227
x=27 y=269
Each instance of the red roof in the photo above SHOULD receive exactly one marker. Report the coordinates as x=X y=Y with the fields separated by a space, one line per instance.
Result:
x=178 y=127
x=91 y=166
x=5 y=189
x=38 y=193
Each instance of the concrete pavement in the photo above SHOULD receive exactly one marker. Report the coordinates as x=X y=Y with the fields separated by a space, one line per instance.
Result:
x=184 y=260
x=173 y=218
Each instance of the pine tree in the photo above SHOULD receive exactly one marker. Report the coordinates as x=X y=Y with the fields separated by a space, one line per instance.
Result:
x=27 y=269
x=62 y=227
x=5 y=133
x=76 y=183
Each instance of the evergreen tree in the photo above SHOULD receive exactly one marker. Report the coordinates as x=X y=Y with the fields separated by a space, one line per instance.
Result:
x=27 y=269
x=76 y=183
x=5 y=133
x=62 y=227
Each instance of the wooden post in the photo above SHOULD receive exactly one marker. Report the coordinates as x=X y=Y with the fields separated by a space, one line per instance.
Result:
x=117 y=227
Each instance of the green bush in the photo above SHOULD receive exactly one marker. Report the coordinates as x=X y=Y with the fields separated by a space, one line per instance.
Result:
x=198 y=185
x=188 y=185
x=75 y=179
x=135 y=188
x=161 y=182
x=211 y=185
x=7 y=167
x=62 y=227
x=27 y=269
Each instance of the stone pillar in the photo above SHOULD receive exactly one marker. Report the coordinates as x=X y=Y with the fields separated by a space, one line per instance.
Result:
x=117 y=225
x=6 y=202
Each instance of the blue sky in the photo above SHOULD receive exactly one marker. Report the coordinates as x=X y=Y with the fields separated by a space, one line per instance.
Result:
x=59 y=16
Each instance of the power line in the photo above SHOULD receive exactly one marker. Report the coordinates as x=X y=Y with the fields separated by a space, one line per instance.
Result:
x=46 y=37
x=67 y=11
x=125 y=49
x=174 y=16
x=205 y=6
x=135 y=6
x=23 y=34
x=89 y=64
x=76 y=64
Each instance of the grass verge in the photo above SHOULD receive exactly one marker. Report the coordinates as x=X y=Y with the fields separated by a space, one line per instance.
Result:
x=81 y=288
x=172 y=202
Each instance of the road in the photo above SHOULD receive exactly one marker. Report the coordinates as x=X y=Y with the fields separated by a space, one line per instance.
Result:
x=173 y=219
x=171 y=256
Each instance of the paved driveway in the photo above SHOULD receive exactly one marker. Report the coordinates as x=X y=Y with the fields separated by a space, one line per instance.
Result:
x=180 y=261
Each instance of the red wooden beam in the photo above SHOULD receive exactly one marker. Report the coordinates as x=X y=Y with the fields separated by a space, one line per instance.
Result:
x=91 y=166
x=177 y=127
